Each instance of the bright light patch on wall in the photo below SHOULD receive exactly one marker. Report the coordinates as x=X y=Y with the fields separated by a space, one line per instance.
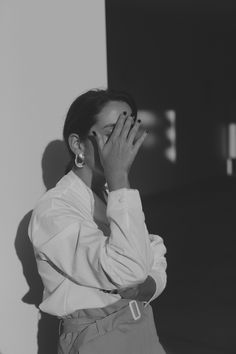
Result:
x=170 y=151
x=232 y=140
x=229 y=167
x=161 y=128
x=150 y=122
x=231 y=160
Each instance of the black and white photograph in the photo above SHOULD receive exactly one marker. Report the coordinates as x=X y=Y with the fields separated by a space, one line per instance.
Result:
x=118 y=183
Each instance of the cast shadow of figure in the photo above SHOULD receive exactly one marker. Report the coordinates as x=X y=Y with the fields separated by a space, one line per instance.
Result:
x=55 y=162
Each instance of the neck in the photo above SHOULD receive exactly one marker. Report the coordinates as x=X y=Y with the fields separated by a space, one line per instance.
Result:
x=93 y=181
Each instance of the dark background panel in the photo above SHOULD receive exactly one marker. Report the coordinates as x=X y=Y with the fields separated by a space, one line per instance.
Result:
x=181 y=55
x=177 y=55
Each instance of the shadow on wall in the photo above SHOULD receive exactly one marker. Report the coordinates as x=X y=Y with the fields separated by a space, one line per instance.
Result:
x=55 y=162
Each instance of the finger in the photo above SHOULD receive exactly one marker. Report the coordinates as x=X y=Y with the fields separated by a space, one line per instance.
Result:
x=133 y=132
x=118 y=127
x=139 y=142
x=99 y=139
x=126 y=127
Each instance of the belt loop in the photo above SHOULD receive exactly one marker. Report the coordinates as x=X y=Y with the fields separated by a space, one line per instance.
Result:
x=134 y=309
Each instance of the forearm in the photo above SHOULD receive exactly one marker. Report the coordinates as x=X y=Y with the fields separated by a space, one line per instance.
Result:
x=141 y=292
x=118 y=181
x=127 y=252
x=146 y=290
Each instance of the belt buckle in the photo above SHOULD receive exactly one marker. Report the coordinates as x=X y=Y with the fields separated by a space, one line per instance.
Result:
x=134 y=309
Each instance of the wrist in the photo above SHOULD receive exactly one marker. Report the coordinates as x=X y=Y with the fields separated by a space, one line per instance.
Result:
x=118 y=181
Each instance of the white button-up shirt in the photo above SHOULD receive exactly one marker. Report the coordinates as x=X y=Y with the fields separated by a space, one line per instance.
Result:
x=83 y=247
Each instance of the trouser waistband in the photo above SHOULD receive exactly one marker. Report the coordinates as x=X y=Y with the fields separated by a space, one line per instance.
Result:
x=86 y=327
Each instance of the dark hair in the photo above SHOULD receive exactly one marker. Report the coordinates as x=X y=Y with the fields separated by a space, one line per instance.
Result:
x=85 y=108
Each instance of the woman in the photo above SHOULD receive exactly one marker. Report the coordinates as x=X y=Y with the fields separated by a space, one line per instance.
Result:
x=99 y=265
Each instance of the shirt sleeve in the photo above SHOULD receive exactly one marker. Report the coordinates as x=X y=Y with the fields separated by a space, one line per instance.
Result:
x=79 y=249
x=159 y=265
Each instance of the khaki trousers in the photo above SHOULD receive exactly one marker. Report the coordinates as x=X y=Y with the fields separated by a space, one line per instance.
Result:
x=125 y=327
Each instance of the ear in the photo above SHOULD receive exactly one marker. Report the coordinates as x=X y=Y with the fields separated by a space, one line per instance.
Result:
x=75 y=143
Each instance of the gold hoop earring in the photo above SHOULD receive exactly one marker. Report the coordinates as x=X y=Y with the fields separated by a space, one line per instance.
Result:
x=79 y=160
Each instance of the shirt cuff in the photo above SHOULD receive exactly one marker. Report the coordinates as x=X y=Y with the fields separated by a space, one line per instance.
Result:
x=123 y=199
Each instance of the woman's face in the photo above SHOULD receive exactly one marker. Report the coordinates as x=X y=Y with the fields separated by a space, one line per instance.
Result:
x=106 y=120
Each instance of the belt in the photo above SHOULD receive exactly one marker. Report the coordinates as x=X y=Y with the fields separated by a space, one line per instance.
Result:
x=88 y=330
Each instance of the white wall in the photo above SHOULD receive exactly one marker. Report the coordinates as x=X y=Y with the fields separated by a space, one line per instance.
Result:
x=51 y=51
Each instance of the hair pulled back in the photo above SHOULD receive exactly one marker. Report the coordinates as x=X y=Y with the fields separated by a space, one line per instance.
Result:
x=83 y=111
